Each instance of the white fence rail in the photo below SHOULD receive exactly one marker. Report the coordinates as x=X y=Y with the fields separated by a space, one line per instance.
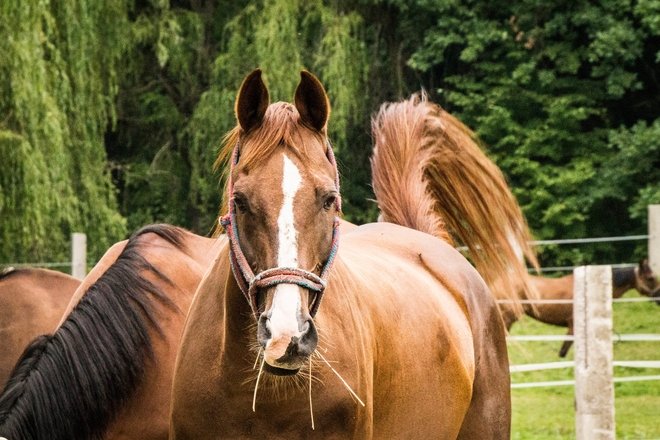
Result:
x=570 y=364
x=628 y=337
x=560 y=383
x=78 y=263
x=594 y=364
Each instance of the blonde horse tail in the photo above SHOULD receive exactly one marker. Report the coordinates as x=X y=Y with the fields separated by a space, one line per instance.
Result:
x=429 y=173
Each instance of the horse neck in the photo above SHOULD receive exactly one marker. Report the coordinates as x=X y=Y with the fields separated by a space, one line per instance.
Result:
x=237 y=321
x=623 y=279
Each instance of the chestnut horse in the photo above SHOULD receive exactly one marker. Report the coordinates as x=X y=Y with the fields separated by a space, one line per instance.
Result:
x=640 y=278
x=392 y=334
x=32 y=302
x=107 y=370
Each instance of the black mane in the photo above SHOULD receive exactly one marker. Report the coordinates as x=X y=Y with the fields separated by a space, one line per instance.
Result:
x=69 y=385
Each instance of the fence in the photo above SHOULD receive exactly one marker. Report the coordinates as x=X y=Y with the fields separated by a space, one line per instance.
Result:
x=78 y=263
x=594 y=364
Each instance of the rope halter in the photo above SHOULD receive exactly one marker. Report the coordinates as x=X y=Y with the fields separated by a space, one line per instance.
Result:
x=250 y=283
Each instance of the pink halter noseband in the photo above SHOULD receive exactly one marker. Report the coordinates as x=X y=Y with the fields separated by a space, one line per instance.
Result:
x=250 y=283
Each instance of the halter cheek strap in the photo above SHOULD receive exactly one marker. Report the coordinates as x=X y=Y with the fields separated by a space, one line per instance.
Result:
x=248 y=282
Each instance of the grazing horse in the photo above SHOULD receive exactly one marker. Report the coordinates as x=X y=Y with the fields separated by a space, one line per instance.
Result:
x=32 y=302
x=386 y=332
x=106 y=372
x=640 y=278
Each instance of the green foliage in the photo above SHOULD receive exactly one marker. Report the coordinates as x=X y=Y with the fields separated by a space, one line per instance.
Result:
x=281 y=37
x=58 y=82
x=563 y=94
x=550 y=89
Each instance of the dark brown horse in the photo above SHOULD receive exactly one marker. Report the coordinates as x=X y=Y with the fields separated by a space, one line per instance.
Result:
x=391 y=334
x=640 y=278
x=107 y=370
x=32 y=302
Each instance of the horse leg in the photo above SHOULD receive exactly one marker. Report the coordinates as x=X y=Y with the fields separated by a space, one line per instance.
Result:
x=567 y=344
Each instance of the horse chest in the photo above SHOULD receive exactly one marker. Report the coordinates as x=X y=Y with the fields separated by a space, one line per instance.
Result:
x=292 y=419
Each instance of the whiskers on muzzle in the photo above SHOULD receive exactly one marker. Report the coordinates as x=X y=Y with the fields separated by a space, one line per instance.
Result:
x=274 y=388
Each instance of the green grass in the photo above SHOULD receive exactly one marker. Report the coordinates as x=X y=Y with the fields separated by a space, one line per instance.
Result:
x=548 y=413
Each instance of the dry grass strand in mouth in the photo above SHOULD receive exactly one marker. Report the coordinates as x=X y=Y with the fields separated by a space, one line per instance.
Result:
x=311 y=409
x=348 y=387
x=279 y=388
x=256 y=386
x=256 y=360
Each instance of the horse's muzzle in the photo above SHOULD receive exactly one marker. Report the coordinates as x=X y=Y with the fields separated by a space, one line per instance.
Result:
x=287 y=352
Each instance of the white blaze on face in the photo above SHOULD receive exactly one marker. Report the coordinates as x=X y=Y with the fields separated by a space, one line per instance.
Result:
x=286 y=299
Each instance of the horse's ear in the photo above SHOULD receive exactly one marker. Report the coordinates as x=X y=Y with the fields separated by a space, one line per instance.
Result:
x=312 y=101
x=644 y=266
x=252 y=101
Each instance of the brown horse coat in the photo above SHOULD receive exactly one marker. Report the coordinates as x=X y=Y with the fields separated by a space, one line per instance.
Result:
x=405 y=319
x=107 y=370
x=419 y=347
x=107 y=260
x=32 y=302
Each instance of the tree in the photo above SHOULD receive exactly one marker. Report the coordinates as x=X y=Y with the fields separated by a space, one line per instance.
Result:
x=564 y=96
x=57 y=89
x=551 y=89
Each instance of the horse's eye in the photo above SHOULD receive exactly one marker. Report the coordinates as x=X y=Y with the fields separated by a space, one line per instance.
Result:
x=329 y=202
x=240 y=203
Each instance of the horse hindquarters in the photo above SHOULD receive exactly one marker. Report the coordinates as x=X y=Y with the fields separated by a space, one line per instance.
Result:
x=489 y=413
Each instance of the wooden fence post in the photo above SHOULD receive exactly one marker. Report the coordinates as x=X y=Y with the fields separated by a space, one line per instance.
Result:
x=592 y=320
x=78 y=255
x=654 y=238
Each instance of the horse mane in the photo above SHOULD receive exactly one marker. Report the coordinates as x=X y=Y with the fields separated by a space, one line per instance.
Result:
x=281 y=125
x=623 y=276
x=72 y=383
x=429 y=173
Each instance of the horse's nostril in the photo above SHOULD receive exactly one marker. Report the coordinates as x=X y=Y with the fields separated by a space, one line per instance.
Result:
x=263 y=330
x=308 y=339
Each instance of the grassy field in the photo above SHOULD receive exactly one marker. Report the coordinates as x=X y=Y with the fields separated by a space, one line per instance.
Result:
x=548 y=413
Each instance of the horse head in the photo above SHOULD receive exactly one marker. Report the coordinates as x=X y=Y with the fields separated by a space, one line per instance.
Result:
x=646 y=282
x=283 y=200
